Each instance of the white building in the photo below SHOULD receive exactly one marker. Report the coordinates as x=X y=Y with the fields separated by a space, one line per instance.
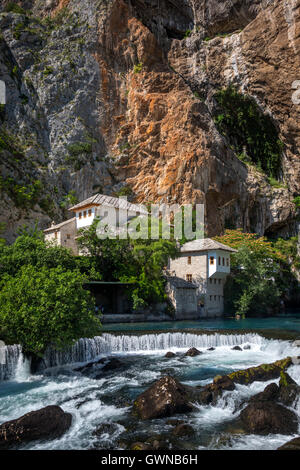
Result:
x=206 y=264
x=99 y=205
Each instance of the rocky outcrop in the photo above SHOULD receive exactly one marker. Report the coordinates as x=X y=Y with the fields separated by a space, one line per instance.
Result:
x=164 y=398
x=265 y=417
x=102 y=96
x=48 y=423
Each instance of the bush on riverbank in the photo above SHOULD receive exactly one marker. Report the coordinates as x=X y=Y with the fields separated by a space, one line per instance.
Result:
x=262 y=272
x=46 y=307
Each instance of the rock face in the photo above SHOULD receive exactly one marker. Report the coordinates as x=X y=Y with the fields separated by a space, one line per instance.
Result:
x=165 y=397
x=106 y=95
x=264 y=417
x=48 y=423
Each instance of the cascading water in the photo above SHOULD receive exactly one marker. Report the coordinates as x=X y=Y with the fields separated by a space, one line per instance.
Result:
x=9 y=361
x=88 y=349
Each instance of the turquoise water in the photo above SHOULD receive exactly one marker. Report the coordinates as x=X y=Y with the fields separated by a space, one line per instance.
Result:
x=286 y=322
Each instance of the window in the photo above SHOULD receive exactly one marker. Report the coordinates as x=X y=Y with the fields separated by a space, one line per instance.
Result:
x=220 y=281
x=80 y=215
x=90 y=212
x=55 y=235
x=223 y=261
x=227 y=261
x=84 y=214
x=189 y=260
x=210 y=297
x=212 y=260
x=215 y=297
x=215 y=281
x=189 y=277
x=68 y=236
x=219 y=261
x=210 y=281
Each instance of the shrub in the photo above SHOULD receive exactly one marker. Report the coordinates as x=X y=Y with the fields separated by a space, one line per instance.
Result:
x=46 y=307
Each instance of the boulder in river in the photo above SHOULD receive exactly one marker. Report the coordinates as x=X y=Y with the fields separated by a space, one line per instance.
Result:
x=211 y=392
x=192 y=352
x=164 y=398
x=236 y=348
x=211 y=349
x=47 y=423
x=170 y=354
x=183 y=429
x=265 y=417
x=289 y=390
x=270 y=393
x=294 y=444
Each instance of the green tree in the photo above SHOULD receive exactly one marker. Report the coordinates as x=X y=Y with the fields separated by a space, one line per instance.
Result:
x=252 y=287
x=46 y=307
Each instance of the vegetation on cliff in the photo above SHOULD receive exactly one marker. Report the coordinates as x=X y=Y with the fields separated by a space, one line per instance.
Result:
x=251 y=133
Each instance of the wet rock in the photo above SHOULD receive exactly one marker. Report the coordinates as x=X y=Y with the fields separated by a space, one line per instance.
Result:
x=236 y=348
x=294 y=444
x=183 y=430
x=165 y=397
x=106 y=428
x=211 y=349
x=296 y=343
x=270 y=393
x=211 y=392
x=247 y=346
x=170 y=354
x=47 y=423
x=112 y=364
x=262 y=417
x=289 y=390
x=261 y=373
x=192 y=352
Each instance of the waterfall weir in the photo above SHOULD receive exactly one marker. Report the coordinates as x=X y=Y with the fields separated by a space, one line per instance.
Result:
x=88 y=349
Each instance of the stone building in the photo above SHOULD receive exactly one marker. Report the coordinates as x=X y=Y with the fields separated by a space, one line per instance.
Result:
x=206 y=264
x=183 y=296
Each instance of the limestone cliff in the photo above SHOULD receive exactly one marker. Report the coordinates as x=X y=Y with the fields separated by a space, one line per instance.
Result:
x=111 y=94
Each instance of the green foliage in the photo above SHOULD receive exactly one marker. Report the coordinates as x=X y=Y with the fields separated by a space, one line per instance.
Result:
x=23 y=196
x=69 y=200
x=187 y=33
x=246 y=127
x=125 y=191
x=139 y=262
x=138 y=67
x=14 y=8
x=48 y=70
x=296 y=201
x=46 y=307
x=262 y=272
